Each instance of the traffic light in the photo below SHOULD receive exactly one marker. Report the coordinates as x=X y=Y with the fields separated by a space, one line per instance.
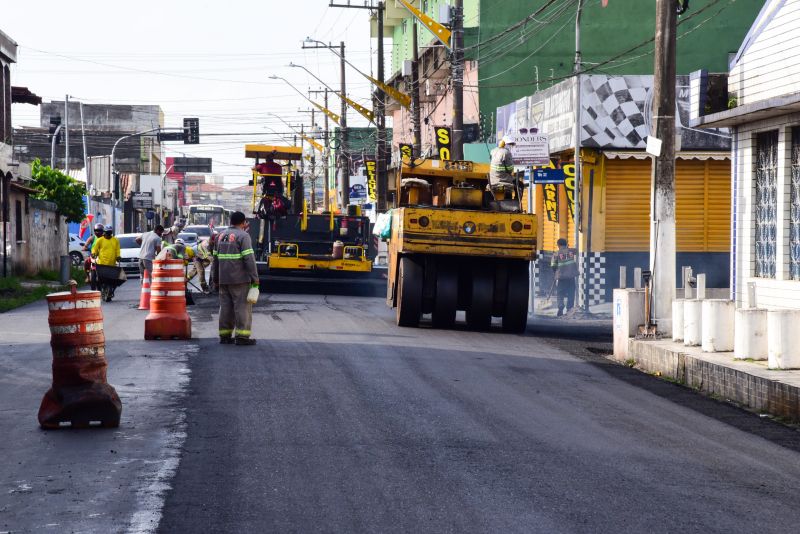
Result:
x=55 y=122
x=191 y=131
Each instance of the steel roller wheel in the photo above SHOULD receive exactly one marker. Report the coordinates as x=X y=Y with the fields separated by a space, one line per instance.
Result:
x=446 y=301
x=409 y=292
x=515 y=316
x=479 y=312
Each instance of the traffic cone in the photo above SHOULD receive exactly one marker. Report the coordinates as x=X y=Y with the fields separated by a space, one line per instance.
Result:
x=80 y=394
x=144 y=299
x=168 y=318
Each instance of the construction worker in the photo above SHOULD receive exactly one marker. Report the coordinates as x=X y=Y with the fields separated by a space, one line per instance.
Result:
x=174 y=251
x=565 y=266
x=150 y=246
x=169 y=235
x=87 y=247
x=501 y=169
x=234 y=272
x=202 y=259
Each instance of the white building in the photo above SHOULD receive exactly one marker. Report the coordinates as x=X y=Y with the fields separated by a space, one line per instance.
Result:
x=764 y=96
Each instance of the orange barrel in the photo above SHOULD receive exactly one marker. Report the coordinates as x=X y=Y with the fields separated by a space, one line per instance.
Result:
x=80 y=394
x=144 y=298
x=168 y=318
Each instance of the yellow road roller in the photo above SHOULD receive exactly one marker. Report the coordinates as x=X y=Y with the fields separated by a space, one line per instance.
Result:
x=456 y=244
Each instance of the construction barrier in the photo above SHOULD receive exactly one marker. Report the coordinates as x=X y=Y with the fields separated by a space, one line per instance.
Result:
x=80 y=395
x=144 y=298
x=168 y=318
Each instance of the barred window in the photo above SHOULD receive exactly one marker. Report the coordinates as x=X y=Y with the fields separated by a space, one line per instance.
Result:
x=794 y=213
x=766 y=203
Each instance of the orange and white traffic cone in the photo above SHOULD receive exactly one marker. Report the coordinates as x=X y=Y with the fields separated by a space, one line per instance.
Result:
x=144 y=298
x=168 y=318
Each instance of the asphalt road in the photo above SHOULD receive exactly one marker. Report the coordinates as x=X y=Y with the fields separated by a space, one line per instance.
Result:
x=339 y=421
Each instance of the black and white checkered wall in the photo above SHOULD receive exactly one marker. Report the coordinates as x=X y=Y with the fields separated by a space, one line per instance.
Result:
x=596 y=279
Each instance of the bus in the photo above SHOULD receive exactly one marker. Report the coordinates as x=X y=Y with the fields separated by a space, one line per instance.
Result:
x=208 y=214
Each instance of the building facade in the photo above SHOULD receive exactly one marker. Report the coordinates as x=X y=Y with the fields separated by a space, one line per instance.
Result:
x=764 y=118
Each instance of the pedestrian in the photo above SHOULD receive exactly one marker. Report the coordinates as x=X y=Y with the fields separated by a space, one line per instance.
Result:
x=234 y=272
x=150 y=246
x=565 y=266
x=501 y=168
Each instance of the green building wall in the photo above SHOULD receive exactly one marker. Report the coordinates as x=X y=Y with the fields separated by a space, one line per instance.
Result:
x=707 y=34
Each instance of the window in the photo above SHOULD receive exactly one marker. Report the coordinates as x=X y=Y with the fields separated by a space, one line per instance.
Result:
x=794 y=207
x=766 y=203
x=18 y=220
x=7 y=104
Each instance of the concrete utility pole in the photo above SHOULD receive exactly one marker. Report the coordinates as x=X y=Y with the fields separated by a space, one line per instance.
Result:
x=380 y=122
x=457 y=67
x=326 y=203
x=662 y=225
x=66 y=134
x=416 y=123
x=578 y=190
x=344 y=163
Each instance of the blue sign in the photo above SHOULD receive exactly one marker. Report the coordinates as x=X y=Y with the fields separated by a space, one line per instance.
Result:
x=548 y=176
x=358 y=191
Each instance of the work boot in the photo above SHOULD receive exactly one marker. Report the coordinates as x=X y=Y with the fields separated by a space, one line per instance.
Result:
x=245 y=341
x=226 y=340
x=560 y=313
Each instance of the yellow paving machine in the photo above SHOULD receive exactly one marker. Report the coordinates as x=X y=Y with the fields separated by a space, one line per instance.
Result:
x=457 y=245
x=288 y=239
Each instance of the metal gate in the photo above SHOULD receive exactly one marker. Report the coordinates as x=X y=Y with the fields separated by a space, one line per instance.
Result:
x=766 y=203
x=794 y=210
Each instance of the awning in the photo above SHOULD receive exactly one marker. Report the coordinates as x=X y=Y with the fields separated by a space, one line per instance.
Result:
x=23 y=95
x=764 y=109
x=685 y=155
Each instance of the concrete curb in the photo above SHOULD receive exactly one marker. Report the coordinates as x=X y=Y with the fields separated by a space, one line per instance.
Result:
x=749 y=384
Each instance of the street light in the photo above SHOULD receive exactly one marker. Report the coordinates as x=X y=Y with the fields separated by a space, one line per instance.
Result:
x=334 y=117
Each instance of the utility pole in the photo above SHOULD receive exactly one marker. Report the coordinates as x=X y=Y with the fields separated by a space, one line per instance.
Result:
x=326 y=202
x=457 y=67
x=578 y=189
x=416 y=123
x=344 y=163
x=313 y=168
x=66 y=134
x=380 y=122
x=662 y=224
x=85 y=156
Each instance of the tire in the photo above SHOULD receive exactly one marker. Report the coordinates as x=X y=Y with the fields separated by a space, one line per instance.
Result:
x=479 y=312
x=446 y=302
x=409 y=292
x=515 y=315
x=76 y=258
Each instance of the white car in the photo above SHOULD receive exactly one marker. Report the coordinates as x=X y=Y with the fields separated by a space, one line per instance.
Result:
x=129 y=252
x=76 y=252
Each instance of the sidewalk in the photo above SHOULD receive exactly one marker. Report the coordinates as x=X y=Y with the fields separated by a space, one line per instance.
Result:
x=751 y=384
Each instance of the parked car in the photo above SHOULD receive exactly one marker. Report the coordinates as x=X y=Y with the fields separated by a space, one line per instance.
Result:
x=129 y=251
x=76 y=253
x=201 y=230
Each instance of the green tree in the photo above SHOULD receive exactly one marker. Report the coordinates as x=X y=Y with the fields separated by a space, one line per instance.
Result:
x=65 y=191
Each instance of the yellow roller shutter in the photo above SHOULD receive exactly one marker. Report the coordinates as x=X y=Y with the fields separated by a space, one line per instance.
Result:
x=703 y=205
x=627 y=205
x=718 y=221
x=690 y=212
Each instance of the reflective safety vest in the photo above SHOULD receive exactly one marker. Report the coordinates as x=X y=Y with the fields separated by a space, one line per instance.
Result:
x=565 y=264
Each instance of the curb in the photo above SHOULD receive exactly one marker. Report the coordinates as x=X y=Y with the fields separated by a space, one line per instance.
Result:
x=750 y=385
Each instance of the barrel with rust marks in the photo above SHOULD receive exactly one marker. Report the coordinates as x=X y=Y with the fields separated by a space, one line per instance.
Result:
x=168 y=318
x=80 y=395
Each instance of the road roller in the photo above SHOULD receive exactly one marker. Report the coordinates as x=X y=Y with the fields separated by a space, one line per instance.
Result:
x=456 y=244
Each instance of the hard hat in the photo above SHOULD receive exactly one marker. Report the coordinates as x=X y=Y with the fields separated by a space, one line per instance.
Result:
x=179 y=241
x=108 y=228
x=507 y=139
x=98 y=226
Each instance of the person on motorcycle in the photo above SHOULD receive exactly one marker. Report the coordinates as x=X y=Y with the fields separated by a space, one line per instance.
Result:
x=106 y=251
x=87 y=247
